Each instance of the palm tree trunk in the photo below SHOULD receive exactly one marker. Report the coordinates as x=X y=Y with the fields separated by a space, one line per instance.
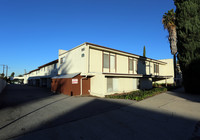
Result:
x=173 y=40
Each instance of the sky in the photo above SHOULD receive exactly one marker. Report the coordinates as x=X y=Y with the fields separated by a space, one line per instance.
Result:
x=32 y=31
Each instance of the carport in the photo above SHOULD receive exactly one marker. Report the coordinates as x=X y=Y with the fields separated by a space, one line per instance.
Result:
x=157 y=78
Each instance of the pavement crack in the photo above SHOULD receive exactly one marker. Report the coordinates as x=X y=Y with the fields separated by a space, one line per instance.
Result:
x=112 y=108
x=173 y=100
x=12 y=122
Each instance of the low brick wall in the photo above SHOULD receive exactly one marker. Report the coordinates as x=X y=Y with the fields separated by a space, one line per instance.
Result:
x=2 y=84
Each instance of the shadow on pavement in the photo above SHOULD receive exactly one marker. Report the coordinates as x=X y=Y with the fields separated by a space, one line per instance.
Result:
x=15 y=95
x=96 y=118
x=100 y=119
x=188 y=96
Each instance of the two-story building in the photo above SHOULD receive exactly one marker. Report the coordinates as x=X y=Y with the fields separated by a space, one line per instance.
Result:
x=99 y=71
x=42 y=75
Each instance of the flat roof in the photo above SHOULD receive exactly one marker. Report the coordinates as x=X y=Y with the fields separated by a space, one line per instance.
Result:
x=47 y=64
x=119 y=51
x=141 y=57
x=38 y=77
x=33 y=70
x=66 y=76
x=50 y=63
x=122 y=75
x=137 y=75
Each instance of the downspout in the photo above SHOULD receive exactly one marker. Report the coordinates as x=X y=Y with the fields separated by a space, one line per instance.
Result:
x=82 y=84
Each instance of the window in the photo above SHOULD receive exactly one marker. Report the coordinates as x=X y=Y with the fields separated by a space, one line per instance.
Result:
x=105 y=60
x=131 y=64
x=156 y=68
x=82 y=55
x=112 y=84
x=109 y=84
x=62 y=60
x=109 y=61
x=112 y=61
x=83 y=49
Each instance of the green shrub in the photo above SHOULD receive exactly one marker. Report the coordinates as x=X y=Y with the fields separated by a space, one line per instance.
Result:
x=138 y=95
x=188 y=44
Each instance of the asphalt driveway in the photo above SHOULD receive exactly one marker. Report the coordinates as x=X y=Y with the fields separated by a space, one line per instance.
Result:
x=35 y=113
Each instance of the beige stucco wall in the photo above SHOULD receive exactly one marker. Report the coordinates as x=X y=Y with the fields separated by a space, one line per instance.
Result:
x=98 y=85
x=167 y=70
x=61 y=51
x=49 y=70
x=26 y=79
x=143 y=66
x=127 y=84
x=95 y=63
x=99 y=81
x=95 y=59
x=44 y=71
x=74 y=61
x=122 y=64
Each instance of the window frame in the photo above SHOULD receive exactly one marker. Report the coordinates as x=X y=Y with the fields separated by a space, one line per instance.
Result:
x=131 y=61
x=106 y=65
x=156 y=68
x=62 y=60
x=114 y=60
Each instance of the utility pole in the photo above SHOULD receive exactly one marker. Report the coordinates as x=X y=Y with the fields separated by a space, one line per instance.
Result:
x=6 y=71
x=3 y=69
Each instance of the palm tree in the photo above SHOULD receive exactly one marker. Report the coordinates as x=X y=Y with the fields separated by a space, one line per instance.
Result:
x=168 y=22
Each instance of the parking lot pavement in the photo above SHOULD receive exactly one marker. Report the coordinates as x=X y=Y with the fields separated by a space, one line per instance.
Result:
x=27 y=109
x=166 y=116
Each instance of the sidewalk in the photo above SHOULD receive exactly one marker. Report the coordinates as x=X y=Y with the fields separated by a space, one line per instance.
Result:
x=176 y=102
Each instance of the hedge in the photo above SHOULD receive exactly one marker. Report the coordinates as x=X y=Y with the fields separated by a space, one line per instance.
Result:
x=137 y=95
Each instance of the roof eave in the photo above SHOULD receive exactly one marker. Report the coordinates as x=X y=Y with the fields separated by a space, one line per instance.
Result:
x=99 y=47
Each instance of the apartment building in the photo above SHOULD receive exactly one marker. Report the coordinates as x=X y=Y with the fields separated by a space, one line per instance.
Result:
x=41 y=76
x=99 y=71
x=166 y=70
